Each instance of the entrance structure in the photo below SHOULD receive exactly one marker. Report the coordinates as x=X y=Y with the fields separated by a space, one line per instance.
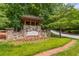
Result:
x=31 y=23
x=31 y=29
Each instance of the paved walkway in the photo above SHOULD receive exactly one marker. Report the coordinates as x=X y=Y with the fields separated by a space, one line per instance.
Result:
x=56 y=50
x=65 y=35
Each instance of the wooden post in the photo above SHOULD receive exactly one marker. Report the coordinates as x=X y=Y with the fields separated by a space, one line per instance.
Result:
x=25 y=22
x=30 y=22
x=35 y=23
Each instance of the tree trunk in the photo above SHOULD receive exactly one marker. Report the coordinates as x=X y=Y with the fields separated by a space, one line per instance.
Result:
x=60 y=32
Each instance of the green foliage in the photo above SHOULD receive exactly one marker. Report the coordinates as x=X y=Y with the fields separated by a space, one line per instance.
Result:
x=4 y=23
x=3 y=19
x=7 y=48
x=45 y=11
x=72 y=31
x=66 y=19
x=53 y=15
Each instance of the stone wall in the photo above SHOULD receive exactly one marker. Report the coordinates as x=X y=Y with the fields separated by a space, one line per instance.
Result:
x=31 y=28
x=11 y=34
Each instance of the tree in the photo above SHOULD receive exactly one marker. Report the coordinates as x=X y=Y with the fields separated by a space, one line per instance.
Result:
x=15 y=11
x=3 y=19
x=53 y=15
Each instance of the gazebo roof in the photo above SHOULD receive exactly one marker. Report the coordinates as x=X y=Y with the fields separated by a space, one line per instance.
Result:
x=29 y=17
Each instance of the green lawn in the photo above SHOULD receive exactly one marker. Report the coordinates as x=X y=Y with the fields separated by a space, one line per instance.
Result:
x=72 y=51
x=27 y=49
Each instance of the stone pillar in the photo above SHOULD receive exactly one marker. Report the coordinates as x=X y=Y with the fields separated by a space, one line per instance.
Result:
x=9 y=33
x=39 y=28
x=24 y=30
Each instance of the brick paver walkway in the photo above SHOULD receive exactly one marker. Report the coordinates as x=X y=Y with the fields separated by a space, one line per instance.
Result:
x=56 y=50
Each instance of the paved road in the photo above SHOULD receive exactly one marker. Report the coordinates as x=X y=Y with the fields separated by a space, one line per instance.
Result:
x=65 y=35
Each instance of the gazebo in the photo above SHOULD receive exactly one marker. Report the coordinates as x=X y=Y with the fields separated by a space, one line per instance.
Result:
x=31 y=23
x=31 y=26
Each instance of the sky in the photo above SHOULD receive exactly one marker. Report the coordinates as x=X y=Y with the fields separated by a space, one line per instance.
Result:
x=77 y=6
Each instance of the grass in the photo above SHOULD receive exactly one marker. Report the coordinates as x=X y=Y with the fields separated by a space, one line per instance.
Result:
x=28 y=49
x=72 y=51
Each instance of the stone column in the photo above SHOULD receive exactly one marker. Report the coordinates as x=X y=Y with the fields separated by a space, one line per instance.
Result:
x=9 y=33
